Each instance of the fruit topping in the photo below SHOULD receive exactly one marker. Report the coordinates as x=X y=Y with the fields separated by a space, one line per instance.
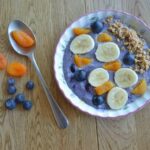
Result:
x=96 y=27
x=10 y=103
x=3 y=62
x=105 y=87
x=140 y=88
x=78 y=31
x=80 y=75
x=11 y=89
x=11 y=81
x=72 y=68
x=82 y=61
x=117 y=98
x=27 y=105
x=107 y=52
x=104 y=37
x=98 y=76
x=129 y=59
x=88 y=87
x=97 y=100
x=16 y=69
x=112 y=66
x=30 y=85
x=82 y=44
x=20 y=98
x=125 y=77
x=23 y=39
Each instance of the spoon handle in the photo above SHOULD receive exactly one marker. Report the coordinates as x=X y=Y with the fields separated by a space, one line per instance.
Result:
x=60 y=117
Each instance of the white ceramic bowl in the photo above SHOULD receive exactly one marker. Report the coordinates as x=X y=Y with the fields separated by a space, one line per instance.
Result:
x=137 y=24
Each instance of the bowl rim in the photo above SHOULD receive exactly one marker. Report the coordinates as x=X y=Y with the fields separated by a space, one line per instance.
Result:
x=61 y=89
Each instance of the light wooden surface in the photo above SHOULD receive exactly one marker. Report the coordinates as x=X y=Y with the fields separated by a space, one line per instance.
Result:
x=37 y=130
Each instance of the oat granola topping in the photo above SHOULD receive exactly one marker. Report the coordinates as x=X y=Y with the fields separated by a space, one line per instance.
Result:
x=108 y=20
x=134 y=44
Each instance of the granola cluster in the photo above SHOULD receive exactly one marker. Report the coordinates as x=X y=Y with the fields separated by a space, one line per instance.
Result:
x=108 y=20
x=134 y=44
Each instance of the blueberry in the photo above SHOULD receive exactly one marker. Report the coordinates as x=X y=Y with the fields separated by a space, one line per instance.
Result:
x=10 y=103
x=87 y=86
x=11 y=81
x=129 y=59
x=27 y=105
x=30 y=85
x=80 y=75
x=73 y=68
x=11 y=89
x=98 y=100
x=96 y=27
x=20 y=98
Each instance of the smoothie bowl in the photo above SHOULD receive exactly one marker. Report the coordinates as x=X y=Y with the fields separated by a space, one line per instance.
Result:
x=102 y=64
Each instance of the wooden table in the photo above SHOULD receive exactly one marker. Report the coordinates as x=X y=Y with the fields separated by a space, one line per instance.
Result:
x=36 y=129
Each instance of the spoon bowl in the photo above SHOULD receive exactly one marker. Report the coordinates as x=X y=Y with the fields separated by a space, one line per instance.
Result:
x=60 y=117
x=19 y=25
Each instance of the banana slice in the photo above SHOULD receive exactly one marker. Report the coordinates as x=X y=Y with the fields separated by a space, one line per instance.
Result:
x=98 y=76
x=82 y=44
x=117 y=98
x=125 y=77
x=107 y=52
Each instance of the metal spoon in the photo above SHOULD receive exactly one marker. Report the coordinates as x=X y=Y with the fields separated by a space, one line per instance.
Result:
x=60 y=117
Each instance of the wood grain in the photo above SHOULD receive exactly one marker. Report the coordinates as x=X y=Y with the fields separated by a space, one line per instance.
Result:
x=37 y=130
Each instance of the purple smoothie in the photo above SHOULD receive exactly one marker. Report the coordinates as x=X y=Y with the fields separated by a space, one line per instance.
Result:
x=82 y=89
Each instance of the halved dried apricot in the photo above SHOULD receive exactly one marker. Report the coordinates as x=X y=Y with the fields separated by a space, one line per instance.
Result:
x=102 y=89
x=78 y=31
x=140 y=88
x=82 y=61
x=104 y=37
x=3 y=61
x=22 y=38
x=16 y=69
x=112 y=66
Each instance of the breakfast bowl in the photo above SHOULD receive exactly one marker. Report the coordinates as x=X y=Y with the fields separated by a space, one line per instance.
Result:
x=66 y=57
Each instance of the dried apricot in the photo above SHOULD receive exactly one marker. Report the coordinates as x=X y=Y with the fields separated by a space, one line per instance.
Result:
x=16 y=69
x=23 y=39
x=104 y=37
x=140 y=88
x=112 y=66
x=82 y=61
x=78 y=31
x=107 y=86
x=3 y=62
